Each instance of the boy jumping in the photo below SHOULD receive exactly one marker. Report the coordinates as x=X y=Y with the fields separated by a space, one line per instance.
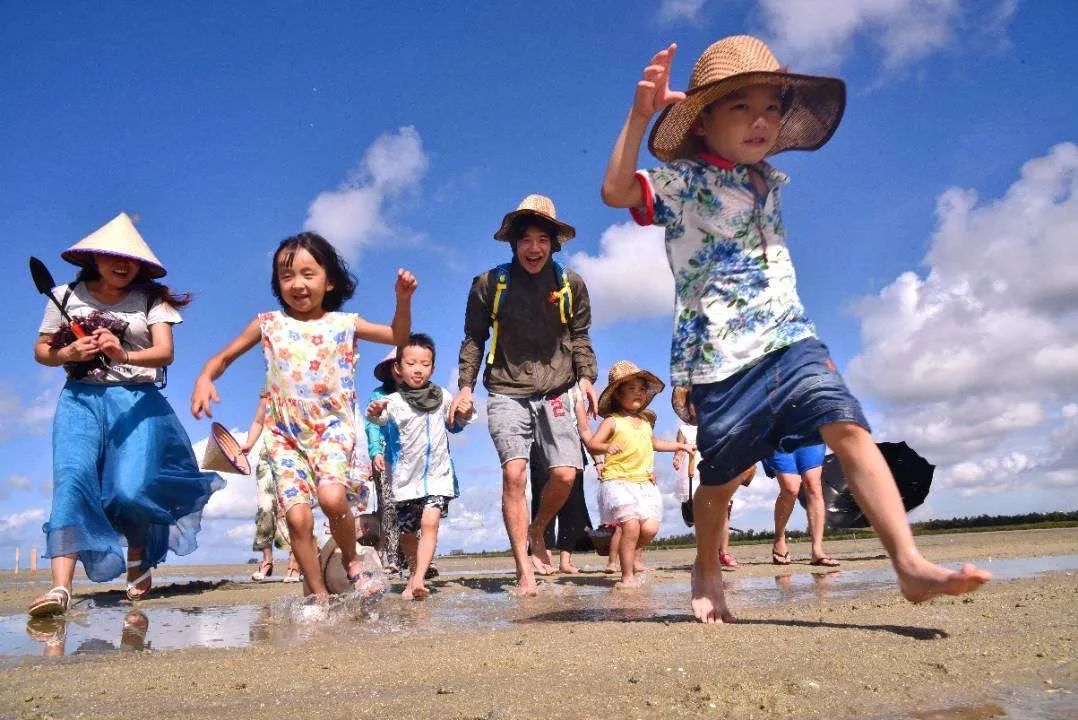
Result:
x=743 y=349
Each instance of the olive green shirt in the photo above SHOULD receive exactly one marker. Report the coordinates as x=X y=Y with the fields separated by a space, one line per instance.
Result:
x=535 y=353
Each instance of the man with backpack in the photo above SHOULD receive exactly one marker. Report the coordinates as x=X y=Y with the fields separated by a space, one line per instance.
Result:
x=536 y=314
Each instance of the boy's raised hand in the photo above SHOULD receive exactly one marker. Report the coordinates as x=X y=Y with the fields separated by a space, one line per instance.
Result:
x=406 y=284
x=653 y=92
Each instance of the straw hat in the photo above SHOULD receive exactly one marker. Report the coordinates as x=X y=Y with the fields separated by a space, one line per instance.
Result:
x=539 y=206
x=120 y=238
x=223 y=452
x=333 y=572
x=382 y=372
x=622 y=371
x=812 y=105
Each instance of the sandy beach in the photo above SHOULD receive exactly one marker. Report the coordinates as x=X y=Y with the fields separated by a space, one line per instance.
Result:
x=839 y=645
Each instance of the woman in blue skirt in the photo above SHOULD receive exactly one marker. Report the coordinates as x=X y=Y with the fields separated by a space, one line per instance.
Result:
x=123 y=469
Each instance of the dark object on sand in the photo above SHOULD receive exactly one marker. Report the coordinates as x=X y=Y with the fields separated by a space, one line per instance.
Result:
x=912 y=473
x=600 y=538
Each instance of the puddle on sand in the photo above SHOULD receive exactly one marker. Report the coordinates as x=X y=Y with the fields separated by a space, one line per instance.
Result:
x=1018 y=703
x=460 y=604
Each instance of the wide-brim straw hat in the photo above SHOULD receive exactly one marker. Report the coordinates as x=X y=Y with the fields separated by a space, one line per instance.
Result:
x=539 y=206
x=118 y=237
x=812 y=105
x=223 y=452
x=622 y=372
x=382 y=371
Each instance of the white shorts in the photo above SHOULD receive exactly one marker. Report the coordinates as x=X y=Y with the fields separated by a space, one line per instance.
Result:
x=621 y=500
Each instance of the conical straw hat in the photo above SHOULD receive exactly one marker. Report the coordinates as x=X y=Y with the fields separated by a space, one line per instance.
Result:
x=622 y=371
x=539 y=206
x=812 y=105
x=223 y=452
x=117 y=237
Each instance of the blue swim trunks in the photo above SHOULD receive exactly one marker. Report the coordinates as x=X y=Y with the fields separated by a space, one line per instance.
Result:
x=799 y=461
x=779 y=403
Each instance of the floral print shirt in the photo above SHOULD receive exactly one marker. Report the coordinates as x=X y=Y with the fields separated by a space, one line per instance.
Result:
x=736 y=295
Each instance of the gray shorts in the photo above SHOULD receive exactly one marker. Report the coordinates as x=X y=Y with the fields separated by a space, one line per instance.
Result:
x=517 y=422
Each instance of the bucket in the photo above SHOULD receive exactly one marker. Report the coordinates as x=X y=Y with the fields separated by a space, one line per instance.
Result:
x=329 y=559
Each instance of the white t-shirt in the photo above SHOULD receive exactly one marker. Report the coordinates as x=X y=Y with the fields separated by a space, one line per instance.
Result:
x=132 y=310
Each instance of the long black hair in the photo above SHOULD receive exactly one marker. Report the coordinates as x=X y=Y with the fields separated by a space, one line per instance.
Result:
x=154 y=290
x=337 y=272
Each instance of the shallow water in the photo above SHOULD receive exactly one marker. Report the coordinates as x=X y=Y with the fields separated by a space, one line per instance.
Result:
x=458 y=605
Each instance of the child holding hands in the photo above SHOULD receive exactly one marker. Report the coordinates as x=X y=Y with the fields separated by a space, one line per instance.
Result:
x=311 y=354
x=744 y=350
x=422 y=481
x=628 y=495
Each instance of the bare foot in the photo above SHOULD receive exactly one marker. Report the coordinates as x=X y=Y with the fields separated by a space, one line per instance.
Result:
x=630 y=583
x=641 y=568
x=538 y=545
x=708 y=599
x=610 y=569
x=407 y=593
x=568 y=569
x=922 y=580
x=420 y=592
x=540 y=567
x=527 y=589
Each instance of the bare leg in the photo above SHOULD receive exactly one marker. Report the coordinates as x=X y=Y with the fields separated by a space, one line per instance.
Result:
x=874 y=489
x=630 y=534
x=555 y=493
x=428 y=541
x=565 y=563
x=300 y=521
x=615 y=548
x=789 y=485
x=342 y=524
x=409 y=543
x=815 y=510
x=648 y=530
x=515 y=514
x=709 y=507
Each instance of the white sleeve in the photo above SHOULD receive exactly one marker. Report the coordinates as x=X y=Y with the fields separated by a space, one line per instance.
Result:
x=162 y=312
x=51 y=321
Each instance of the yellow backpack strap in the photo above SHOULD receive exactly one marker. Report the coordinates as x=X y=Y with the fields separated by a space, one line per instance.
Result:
x=565 y=295
x=500 y=288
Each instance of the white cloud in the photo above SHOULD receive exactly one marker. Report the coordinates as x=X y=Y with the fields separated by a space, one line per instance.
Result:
x=810 y=35
x=243 y=532
x=630 y=277
x=357 y=214
x=976 y=364
x=672 y=11
x=13 y=526
x=28 y=418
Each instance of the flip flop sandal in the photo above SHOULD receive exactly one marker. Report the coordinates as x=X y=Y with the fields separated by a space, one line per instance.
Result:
x=825 y=561
x=53 y=602
x=293 y=576
x=50 y=630
x=780 y=558
x=132 y=585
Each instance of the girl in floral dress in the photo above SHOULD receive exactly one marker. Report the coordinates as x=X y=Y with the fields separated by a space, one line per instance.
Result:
x=311 y=356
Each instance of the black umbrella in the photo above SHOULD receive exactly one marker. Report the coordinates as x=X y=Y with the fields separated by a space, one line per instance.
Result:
x=912 y=473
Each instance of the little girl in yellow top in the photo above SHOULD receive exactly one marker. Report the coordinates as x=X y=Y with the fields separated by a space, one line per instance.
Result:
x=628 y=495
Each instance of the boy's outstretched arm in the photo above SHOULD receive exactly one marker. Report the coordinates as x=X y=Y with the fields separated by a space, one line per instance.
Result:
x=205 y=393
x=653 y=93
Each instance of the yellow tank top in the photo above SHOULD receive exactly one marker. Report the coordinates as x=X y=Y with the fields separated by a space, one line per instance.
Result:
x=636 y=461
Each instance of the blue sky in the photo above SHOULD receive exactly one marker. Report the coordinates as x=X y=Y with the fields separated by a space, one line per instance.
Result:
x=933 y=235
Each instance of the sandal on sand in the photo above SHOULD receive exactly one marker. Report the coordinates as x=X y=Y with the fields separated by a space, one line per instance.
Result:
x=53 y=602
x=728 y=561
x=292 y=576
x=825 y=561
x=780 y=559
x=265 y=569
x=132 y=585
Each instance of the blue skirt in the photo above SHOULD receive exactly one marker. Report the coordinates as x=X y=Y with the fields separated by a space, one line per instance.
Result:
x=123 y=474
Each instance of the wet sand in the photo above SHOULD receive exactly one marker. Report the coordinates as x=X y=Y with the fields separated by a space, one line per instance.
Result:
x=810 y=646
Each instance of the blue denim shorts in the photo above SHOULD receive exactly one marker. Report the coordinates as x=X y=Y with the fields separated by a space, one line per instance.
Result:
x=779 y=403
x=800 y=460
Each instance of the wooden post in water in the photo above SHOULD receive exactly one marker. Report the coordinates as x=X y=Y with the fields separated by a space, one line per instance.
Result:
x=33 y=560
x=16 y=561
